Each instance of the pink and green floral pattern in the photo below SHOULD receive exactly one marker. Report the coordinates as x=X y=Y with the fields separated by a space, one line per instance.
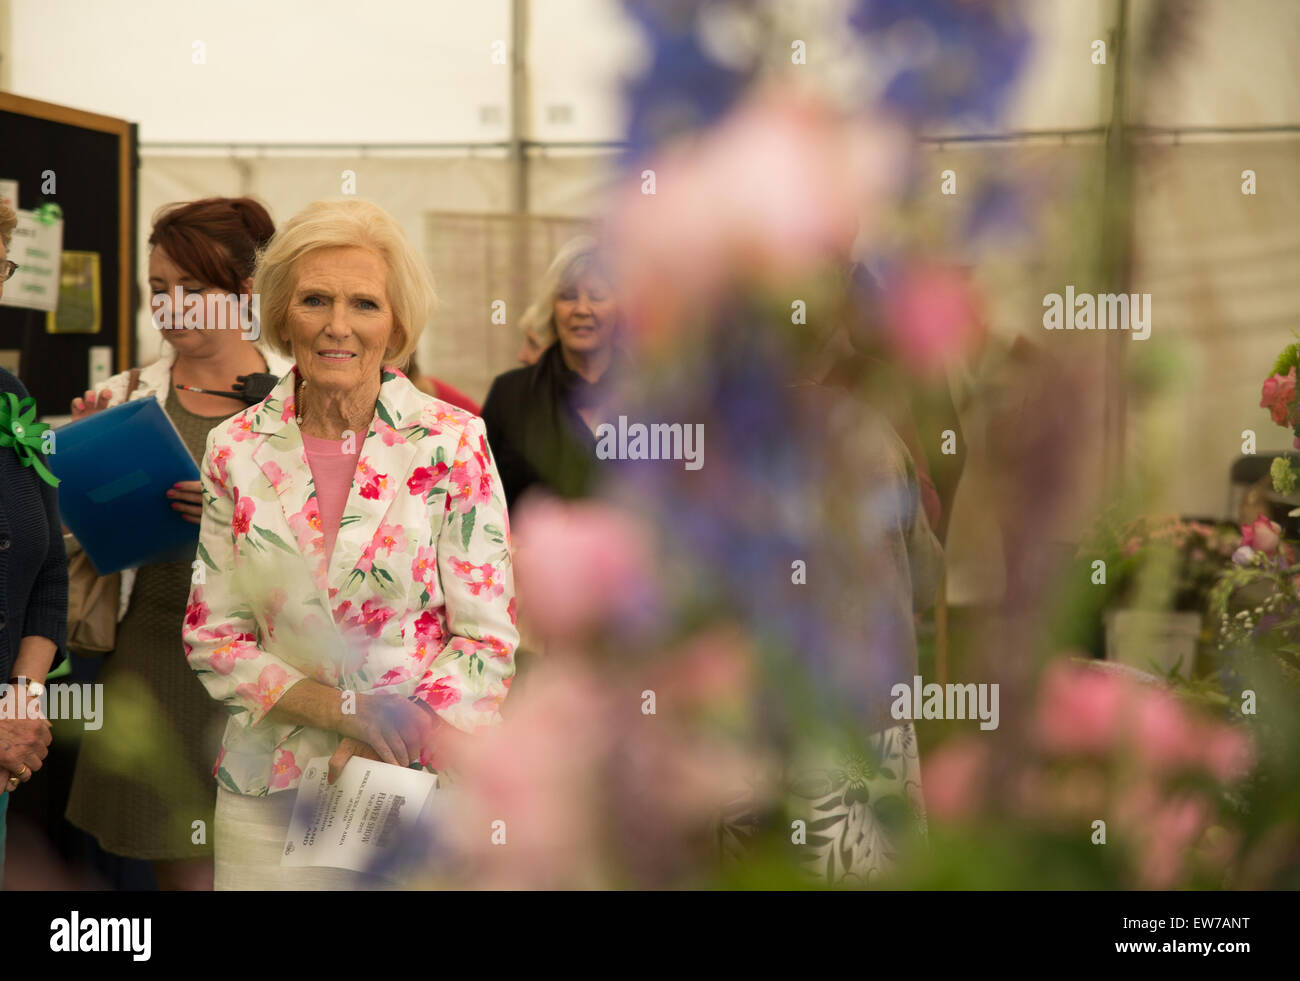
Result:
x=417 y=598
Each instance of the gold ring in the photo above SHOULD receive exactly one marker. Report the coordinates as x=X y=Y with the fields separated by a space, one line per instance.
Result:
x=22 y=771
x=13 y=782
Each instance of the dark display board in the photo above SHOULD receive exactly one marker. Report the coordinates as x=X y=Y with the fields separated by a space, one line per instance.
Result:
x=94 y=160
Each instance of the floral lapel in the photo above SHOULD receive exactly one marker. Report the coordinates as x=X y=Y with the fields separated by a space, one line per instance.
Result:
x=387 y=452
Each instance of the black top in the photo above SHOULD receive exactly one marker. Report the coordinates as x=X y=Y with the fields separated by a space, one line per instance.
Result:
x=533 y=426
x=33 y=567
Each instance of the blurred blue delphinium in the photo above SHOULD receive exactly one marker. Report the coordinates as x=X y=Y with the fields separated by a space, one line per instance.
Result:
x=685 y=87
x=960 y=57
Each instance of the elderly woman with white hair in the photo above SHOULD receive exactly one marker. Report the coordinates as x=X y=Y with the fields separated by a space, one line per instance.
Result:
x=356 y=595
x=33 y=583
x=541 y=419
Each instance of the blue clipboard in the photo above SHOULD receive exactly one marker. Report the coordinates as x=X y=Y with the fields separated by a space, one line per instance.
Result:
x=115 y=468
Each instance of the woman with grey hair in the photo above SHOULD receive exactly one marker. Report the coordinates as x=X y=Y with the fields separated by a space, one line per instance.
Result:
x=33 y=588
x=541 y=418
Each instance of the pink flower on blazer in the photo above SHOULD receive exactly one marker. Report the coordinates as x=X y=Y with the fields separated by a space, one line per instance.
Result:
x=273 y=473
x=424 y=568
x=426 y=478
x=285 y=770
x=472 y=481
x=370 y=618
x=491 y=645
x=439 y=692
x=243 y=519
x=395 y=676
x=229 y=648
x=269 y=687
x=240 y=428
x=388 y=434
x=429 y=628
x=386 y=539
x=196 y=613
x=439 y=415
x=221 y=477
x=483 y=580
x=374 y=485
x=305 y=525
x=276 y=599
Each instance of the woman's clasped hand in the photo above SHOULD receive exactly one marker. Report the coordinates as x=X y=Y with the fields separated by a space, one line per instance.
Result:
x=385 y=727
x=24 y=740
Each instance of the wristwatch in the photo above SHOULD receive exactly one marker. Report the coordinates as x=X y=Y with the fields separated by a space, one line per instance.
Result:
x=34 y=689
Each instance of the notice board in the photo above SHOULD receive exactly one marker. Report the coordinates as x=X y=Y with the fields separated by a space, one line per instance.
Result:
x=85 y=164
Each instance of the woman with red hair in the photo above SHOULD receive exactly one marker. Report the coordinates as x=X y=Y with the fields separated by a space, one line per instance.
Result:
x=144 y=785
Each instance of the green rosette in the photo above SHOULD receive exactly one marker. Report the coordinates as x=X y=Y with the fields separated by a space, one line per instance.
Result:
x=19 y=429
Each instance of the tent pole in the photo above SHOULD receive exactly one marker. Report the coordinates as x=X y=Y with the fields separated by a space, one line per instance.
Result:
x=6 y=45
x=519 y=203
x=1114 y=253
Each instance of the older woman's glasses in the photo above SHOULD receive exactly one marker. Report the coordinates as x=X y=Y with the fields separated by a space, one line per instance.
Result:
x=7 y=270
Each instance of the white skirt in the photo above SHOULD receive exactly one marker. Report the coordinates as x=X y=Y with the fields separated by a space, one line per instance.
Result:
x=248 y=838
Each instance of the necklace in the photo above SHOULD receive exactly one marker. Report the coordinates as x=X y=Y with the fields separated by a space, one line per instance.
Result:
x=297 y=402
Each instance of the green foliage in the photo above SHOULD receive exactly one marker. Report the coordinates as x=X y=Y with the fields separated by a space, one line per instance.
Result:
x=1283 y=474
x=1288 y=359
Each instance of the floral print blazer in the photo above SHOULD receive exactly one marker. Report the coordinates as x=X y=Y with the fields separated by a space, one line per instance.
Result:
x=417 y=598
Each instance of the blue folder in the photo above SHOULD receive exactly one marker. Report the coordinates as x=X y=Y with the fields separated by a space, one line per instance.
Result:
x=115 y=468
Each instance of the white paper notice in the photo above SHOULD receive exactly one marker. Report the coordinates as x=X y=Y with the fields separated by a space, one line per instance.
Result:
x=38 y=250
x=361 y=820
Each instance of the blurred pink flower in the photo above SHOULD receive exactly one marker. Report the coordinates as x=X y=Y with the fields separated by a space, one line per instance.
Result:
x=1262 y=535
x=1227 y=752
x=934 y=316
x=712 y=667
x=1169 y=832
x=952 y=777
x=575 y=563
x=539 y=772
x=777 y=187
x=1278 y=397
x=1165 y=735
x=1086 y=710
x=1079 y=710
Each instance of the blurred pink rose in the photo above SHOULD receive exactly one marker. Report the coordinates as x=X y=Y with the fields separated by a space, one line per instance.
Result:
x=1227 y=752
x=712 y=667
x=1169 y=833
x=1165 y=734
x=934 y=316
x=1085 y=710
x=1262 y=535
x=578 y=563
x=1079 y=709
x=953 y=777
x=1278 y=397
x=540 y=773
x=777 y=187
